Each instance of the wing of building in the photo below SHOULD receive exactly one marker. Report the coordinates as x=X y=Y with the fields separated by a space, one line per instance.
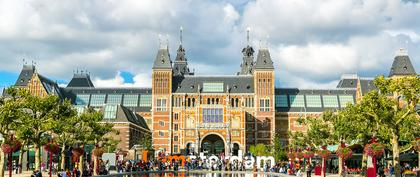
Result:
x=214 y=114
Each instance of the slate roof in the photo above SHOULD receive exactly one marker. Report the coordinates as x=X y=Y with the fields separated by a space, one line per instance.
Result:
x=236 y=84
x=348 y=81
x=264 y=60
x=180 y=64
x=80 y=80
x=25 y=75
x=124 y=114
x=402 y=66
x=367 y=85
x=321 y=92
x=162 y=60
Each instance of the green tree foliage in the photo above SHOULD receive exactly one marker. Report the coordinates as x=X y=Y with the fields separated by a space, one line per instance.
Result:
x=146 y=141
x=10 y=114
x=278 y=150
x=399 y=121
x=259 y=150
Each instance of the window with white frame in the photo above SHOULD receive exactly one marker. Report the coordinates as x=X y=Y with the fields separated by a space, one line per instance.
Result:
x=161 y=104
x=175 y=148
x=114 y=99
x=313 y=101
x=176 y=138
x=82 y=99
x=297 y=101
x=330 y=101
x=97 y=100
x=265 y=104
x=110 y=112
x=161 y=123
x=131 y=100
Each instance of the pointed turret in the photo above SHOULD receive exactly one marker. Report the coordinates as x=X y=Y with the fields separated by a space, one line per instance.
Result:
x=402 y=65
x=181 y=64
x=248 y=57
x=25 y=75
x=264 y=60
x=162 y=60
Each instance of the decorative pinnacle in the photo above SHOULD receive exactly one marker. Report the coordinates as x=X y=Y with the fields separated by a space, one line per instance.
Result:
x=402 y=52
x=247 y=34
x=180 y=35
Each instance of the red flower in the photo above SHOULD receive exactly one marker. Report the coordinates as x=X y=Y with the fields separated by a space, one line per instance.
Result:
x=324 y=153
x=51 y=147
x=344 y=152
x=308 y=154
x=374 y=149
x=10 y=146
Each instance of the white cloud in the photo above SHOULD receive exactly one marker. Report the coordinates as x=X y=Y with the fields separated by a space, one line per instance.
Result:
x=140 y=80
x=312 y=42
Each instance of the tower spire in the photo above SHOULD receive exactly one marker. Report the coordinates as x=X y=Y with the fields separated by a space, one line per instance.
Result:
x=180 y=35
x=247 y=35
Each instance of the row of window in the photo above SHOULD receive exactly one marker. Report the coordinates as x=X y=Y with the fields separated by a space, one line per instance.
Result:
x=212 y=115
x=128 y=100
x=313 y=101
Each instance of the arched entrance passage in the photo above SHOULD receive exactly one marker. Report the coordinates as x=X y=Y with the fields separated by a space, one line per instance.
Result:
x=235 y=149
x=213 y=144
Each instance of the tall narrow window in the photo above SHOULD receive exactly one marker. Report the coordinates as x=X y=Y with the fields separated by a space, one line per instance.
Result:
x=193 y=102
x=265 y=104
x=161 y=104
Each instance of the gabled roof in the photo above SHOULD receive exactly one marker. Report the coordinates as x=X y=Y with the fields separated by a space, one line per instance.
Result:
x=162 y=60
x=80 y=80
x=50 y=86
x=25 y=75
x=264 y=60
x=402 y=65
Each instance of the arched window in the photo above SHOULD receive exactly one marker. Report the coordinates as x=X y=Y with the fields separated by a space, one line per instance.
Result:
x=217 y=100
x=208 y=100
x=193 y=102
x=189 y=102
x=237 y=102
x=212 y=101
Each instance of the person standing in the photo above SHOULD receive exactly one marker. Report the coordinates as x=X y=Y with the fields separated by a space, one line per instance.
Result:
x=308 y=170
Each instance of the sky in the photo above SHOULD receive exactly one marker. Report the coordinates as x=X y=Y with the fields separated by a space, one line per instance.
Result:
x=312 y=42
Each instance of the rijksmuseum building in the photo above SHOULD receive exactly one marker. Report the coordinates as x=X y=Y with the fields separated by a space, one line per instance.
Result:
x=187 y=113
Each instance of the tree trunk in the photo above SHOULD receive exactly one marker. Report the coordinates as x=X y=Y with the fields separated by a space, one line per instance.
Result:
x=81 y=163
x=396 y=155
x=340 y=166
x=95 y=165
x=21 y=160
x=1 y=163
x=418 y=156
x=37 y=157
x=63 y=158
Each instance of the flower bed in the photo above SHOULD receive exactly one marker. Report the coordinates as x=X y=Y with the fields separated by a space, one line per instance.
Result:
x=374 y=149
x=344 y=152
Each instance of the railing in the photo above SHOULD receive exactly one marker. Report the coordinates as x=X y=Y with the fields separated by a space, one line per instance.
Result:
x=136 y=173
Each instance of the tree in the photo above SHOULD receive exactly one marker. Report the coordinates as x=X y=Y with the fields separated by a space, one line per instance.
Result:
x=259 y=150
x=278 y=149
x=36 y=127
x=10 y=112
x=399 y=122
x=146 y=142
x=93 y=131
x=65 y=129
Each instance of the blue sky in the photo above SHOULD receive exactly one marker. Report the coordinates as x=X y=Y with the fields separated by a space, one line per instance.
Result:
x=312 y=42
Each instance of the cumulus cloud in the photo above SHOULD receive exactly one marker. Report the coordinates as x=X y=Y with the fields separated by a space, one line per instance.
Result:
x=140 y=80
x=312 y=42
